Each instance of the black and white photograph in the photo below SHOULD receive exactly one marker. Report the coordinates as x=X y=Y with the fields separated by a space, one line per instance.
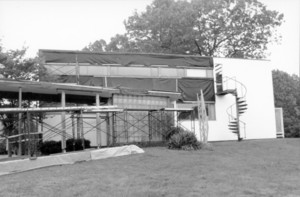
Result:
x=150 y=98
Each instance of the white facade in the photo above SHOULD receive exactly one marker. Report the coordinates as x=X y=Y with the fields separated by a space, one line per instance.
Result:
x=256 y=75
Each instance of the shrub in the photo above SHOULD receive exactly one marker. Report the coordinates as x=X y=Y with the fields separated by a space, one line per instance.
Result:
x=3 y=147
x=184 y=140
x=50 y=147
x=76 y=144
x=173 y=131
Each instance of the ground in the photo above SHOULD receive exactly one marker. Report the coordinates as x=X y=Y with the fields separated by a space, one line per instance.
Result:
x=247 y=168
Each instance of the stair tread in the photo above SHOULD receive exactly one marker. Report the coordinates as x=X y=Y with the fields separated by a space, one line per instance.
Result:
x=233 y=129
x=228 y=91
x=242 y=109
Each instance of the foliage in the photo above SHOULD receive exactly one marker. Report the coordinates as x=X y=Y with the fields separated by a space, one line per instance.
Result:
x=229 y=28
x=51 y=147
x=76 y=144
x=3 y=147
x=14 y=65
x=173 y=131
x=97 y=46
x=184 y=140
x=287 y=96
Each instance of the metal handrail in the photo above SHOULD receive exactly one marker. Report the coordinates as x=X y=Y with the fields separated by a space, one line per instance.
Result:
x=241 y=87
x=243 y=91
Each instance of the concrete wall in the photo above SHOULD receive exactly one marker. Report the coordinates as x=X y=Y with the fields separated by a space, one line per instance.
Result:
x=256 y=75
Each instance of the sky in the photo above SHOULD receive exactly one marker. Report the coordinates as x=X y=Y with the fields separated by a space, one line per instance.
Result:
x=73 y=24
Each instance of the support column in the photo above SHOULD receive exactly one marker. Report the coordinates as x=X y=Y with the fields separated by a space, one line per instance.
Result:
x=78 y=125
x=73 y=126
x=126 y=126
x=63 y=122
x=20 y=123
x=81 y=130
x=150 y=125
x=8 y=147
x=193 y=121
x=28 y=133
x=98 y=122
x=77 y=71
x=175 y=115
x=237 y=117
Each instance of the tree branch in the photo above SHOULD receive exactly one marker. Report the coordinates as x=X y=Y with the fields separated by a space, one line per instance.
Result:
x=198 y=47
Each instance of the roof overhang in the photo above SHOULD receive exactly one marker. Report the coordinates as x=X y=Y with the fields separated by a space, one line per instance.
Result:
x=47 y=90
x=124 y=59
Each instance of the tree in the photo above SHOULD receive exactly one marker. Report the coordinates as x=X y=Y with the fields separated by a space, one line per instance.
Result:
x=287 y=96
x=224 y=28
x=97 y=46
x=14 y=65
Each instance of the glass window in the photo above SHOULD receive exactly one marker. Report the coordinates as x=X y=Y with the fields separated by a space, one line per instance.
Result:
x=210 y=110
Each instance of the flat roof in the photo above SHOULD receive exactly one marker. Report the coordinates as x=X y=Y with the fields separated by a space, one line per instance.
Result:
x=124 y=59
x=49 y=91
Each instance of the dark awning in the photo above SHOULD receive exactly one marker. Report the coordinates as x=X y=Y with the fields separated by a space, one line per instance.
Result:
x=125 y=59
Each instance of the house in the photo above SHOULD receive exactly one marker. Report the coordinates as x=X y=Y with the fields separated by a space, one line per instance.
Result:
x=238 y=92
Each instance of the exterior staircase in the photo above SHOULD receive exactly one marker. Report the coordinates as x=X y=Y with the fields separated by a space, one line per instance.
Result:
x=229 y=85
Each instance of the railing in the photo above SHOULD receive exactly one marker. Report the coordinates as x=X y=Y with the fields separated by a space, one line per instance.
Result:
x=238 y=86
x=232 y=111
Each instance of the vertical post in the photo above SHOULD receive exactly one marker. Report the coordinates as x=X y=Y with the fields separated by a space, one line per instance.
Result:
x=81 y=129
x=105 y=81
x=73 y=126
x=126 y=126
x=193 y=121
x=112 y=123
x=175 y=114
x=77 y=70
x=78 y=125
x=237 y=118
x=150 y=125
x=28 y=133
x=163 y=135
x=200 y=118
x=20 y=123
x=8 y=147
x=107 y=120
x=110 y=126
x=98 y=122
x=63 y=122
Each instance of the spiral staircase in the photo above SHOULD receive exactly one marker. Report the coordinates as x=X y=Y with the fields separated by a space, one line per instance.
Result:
x=229 y=85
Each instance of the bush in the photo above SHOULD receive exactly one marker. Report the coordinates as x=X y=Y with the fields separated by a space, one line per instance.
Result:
x=76 y=144
x=173 y=131
x=50 y=147
x=3 y=148
x=184 y=140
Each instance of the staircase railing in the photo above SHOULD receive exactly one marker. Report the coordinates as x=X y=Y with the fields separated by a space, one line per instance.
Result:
x=237 y=85
x=230 y=85
x=232 y=111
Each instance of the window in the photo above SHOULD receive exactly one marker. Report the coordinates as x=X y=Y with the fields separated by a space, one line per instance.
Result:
x=210 y=110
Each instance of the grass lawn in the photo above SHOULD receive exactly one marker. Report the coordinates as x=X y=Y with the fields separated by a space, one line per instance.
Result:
x=248 y=168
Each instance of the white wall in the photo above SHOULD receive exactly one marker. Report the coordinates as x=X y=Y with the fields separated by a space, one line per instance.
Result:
x=256 y=75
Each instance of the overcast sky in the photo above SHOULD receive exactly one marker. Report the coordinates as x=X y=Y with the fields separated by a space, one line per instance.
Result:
x=73 y=24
